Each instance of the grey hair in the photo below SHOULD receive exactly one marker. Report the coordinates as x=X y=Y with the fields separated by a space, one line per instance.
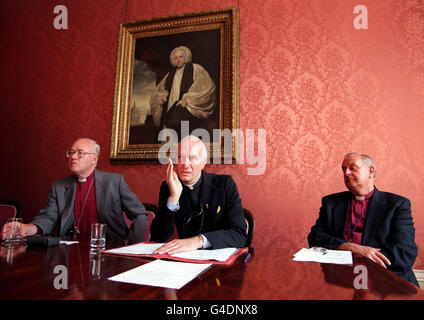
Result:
x=365 y=158
x=187 y=54
x=95 y=145
x=196 y=139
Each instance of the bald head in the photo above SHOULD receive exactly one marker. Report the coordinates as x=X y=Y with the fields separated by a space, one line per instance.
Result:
x=192 y=157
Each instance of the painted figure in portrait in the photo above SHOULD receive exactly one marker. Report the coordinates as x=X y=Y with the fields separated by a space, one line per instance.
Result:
x=174 y=84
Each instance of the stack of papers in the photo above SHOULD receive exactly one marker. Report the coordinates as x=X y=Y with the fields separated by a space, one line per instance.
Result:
x=323 y=255
x=214 y=254
x=139 y=248
x=171 y=274
x=147 y=249
x=165 y=274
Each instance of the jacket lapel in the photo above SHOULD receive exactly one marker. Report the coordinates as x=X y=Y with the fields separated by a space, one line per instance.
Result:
x=67 y=216
x=375 y=213
x=208 y=199
x=341 y=208
x=100 y=193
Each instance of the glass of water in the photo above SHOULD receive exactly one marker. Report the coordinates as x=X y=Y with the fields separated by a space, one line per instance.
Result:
x=13 y=236
x=98 y=236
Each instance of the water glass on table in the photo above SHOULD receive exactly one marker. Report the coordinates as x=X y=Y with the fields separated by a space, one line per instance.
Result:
x=98 y=236
x=13 y=237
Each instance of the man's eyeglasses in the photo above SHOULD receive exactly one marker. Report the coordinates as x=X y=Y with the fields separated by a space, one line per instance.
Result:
x=80 y=154
x=194 y=224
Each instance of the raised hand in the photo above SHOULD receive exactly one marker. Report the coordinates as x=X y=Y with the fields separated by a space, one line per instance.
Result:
x=174 y=184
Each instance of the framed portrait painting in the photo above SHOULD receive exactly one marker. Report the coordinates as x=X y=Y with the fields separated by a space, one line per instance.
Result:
x=180 y=73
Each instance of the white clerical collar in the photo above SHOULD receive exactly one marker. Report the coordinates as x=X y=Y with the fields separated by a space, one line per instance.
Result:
x=82 y=179
x=360 y=197
x=190 y=186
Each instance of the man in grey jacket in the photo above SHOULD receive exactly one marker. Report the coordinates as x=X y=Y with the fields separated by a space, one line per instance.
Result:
x=88 y=196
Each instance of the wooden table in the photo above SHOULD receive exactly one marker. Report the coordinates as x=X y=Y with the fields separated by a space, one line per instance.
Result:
x=29 y=273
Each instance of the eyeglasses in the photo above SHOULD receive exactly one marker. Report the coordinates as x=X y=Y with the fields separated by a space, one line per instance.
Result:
x=81 y=154
x=194 y=224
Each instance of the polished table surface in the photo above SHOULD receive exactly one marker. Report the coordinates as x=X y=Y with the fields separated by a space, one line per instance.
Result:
x=29 y=273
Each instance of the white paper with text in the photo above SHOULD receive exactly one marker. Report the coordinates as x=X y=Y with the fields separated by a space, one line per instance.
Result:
x=165 y=274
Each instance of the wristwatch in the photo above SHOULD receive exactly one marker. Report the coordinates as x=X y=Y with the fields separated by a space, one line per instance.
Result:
x=201 y=238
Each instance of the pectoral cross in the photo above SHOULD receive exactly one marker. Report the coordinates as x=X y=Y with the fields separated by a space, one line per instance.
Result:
x=75 y=232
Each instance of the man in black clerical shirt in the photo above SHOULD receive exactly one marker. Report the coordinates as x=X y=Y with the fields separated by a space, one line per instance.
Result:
x=205 y=208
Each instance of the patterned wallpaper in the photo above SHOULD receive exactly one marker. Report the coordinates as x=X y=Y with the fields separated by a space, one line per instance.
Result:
x=317 y=85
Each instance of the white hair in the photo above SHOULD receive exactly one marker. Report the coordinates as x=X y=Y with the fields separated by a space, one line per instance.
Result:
x=185 y=50
x=96 y=146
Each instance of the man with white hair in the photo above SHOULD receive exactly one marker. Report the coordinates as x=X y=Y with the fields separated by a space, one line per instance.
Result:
x=88 y=196
x=186 y=93
x=366 y=221
x=204 y=207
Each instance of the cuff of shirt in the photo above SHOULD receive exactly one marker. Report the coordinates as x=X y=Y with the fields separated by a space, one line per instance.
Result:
x=206 y=243
x=173 y=207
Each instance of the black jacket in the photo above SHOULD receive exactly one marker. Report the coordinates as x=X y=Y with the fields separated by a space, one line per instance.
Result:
x=222 y=223
x=388 y=226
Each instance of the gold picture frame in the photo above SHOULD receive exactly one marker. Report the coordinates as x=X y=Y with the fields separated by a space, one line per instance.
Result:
x=144 y=60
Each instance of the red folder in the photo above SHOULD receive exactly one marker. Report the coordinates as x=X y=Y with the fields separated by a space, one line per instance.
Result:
x=227 y=262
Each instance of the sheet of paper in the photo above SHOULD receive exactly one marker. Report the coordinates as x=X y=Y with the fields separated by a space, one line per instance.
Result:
x=165 y=274
x=322 y=255
x=68 y=242
x=215 y=254
x=149 y=248
x=139 y=248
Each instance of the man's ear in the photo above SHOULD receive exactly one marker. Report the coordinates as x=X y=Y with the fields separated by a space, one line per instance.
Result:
x=371 y=170
x=95 y=158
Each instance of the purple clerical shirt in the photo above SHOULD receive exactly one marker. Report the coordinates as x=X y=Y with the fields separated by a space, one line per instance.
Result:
x=85 y=205
x=356 y=218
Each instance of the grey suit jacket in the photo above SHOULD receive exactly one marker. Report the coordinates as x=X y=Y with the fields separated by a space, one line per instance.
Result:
x=113 y=197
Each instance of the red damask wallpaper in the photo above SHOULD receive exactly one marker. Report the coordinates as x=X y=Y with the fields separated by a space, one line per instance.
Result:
x=320 y=88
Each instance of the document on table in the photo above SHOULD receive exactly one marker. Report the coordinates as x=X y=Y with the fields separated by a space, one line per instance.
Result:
x=323 y=255
x=214 y=254
x=139 y=248
x=149 y=248
x=68 y=242
x=165 y=274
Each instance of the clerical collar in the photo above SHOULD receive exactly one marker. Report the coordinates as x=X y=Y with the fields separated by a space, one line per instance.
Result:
x=194 y=185
x=366 y=197
x=85 y=179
